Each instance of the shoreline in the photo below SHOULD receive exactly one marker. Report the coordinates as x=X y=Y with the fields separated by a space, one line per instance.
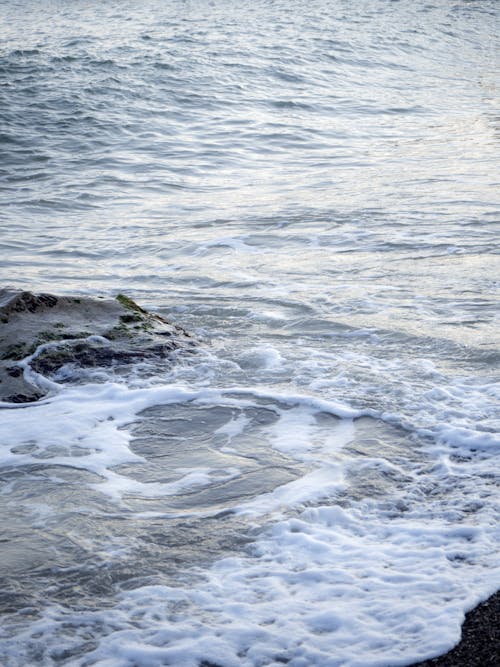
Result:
x=479 y=645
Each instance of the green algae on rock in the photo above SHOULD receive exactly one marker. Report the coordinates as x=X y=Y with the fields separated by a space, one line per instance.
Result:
x=87 y=332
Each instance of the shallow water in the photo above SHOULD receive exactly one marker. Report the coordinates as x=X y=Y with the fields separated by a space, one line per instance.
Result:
x=311 y=188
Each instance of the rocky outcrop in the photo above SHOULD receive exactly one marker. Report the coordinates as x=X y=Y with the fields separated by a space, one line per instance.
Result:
x=85 y=332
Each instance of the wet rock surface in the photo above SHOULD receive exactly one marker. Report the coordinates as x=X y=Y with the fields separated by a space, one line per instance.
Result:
x=85 y=332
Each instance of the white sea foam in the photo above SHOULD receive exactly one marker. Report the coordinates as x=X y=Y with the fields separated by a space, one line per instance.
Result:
x=261 y=357
x=332 y=587
x=374 y=583
x=91 y=418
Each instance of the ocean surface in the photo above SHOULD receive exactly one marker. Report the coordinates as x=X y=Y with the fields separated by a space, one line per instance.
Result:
x=311 y=189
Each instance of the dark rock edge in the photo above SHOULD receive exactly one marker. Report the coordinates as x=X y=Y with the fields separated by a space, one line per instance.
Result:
x=480 y=642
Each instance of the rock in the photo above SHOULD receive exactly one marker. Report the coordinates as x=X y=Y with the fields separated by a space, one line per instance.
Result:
x=121 y=333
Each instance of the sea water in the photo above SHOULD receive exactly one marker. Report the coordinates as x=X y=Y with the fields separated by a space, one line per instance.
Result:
x=310 y=188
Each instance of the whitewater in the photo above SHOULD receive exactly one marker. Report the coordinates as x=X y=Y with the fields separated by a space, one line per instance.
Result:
x=311 y=190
